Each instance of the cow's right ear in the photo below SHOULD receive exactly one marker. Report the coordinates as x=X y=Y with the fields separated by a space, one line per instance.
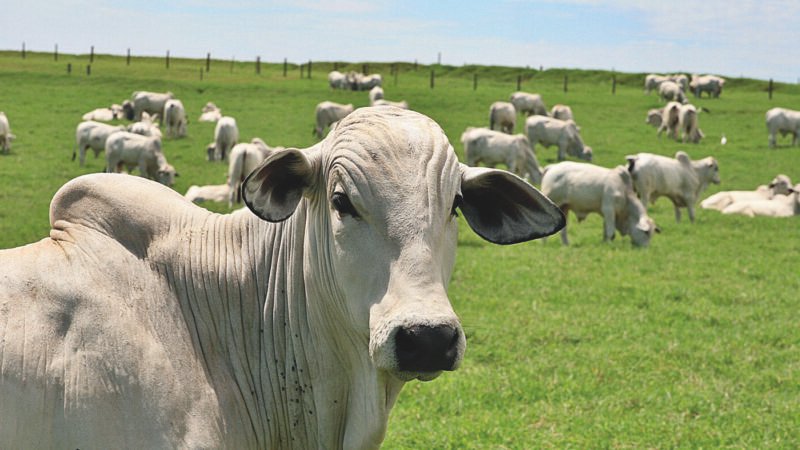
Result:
x=274 y=189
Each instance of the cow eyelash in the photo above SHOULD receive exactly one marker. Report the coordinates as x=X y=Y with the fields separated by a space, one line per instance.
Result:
x=457 y=201
x=342 y=204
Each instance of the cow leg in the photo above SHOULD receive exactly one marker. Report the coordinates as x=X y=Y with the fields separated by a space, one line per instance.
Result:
x=678 y=214
x=772 y=140
x=609 y=224
x=690 y=209
x=794 y=139
x=565 y=210
x=562 y=152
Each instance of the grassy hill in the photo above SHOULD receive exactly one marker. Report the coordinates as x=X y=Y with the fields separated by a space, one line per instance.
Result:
x=692 y=342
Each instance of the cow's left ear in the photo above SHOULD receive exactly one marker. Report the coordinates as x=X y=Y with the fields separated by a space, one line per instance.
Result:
x=273 y=189
x=504 y=209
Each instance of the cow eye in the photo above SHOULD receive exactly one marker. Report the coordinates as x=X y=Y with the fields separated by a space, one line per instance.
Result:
x=342 y=204
x=457 y=201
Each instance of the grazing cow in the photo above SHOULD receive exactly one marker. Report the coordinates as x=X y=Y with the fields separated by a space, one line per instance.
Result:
x=682 y=80
x=680 y=179
x=226 y=135
x=5 y=134
x=653 y=81
x=778 y=206
x=670 y=91
x=151 y=103
x=670 y=119
x=490 y=148
x=383 y=102
x=175 y=118
x=91 y=134
x=502 y=116
x=243 y=159
x=562 y=112
x=780 y=185
x=209 y=193
x=337 y=80
x=210 y=113
x=367 y=82
x=115 y=112
x=375 y=93
x=146 y=321
x=706 y=83
x=783 y=121
x=528 y=104
x=687 y=124
x=133 y=150
x=654 y=117
x=586 y=188
x=328 y=113
x=562 y=133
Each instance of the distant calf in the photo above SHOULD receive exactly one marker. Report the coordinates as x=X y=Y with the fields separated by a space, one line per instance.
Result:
x=91 y=134
x=208 y=193
x=149 y=102
x=327 y=113
x=226 y=135
x=131 y=150
x=243 y=159
x=503 y=117
x=528 y=104
x=175 y=118
x=562 y=133
x=783 y=121
x=562 y=112
x=490 y=148
x=210 y=113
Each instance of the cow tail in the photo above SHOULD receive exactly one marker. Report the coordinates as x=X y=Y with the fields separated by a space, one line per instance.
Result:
x=74 y=150
x=242 y=176
x=491 y=119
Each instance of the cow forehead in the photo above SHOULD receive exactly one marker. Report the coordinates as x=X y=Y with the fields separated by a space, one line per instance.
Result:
x=393 y=153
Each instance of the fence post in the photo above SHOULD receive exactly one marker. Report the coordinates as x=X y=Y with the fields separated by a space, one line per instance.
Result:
x=565 y=83
x=55 y=53
x=519 y=82
x=302 y=71
x=395 y=76
x=69 y=68
x=128 y=59
x=335 y=65
x=23 y=49
x=258 y=65
x=91 y=54
x=474 y=81
x=88 y=69
x=364 y=69
x=201 y=73
x=613 y=85
x=309 y=69
x=167 y=59
x=208 y=61
x=433 y=75
x=770 y=88
x=284 y=67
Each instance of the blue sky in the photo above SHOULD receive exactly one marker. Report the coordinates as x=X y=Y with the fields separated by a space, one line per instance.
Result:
x=757 y=39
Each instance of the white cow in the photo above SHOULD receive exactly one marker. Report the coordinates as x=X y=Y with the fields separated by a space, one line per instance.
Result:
x=586 y=188
x=208 y=193
x=490 y=148
x=146 y=321
x=149 y=102
x=502 y=116
x=243 y=159
x=671 y=91
x=653 y=81
x=367 y=82
x=115 y=112
x=402 y=104
x=376 y=93
x=783 y=121
x=670 y=120
x=5 y=134
x=778 y=206
x=687 y=124
x=131 y=150
x=91 y=134
x=780 y=185
x=145 y=127
x=654 y=117
x=337 y=80
x=226 y=135
x=327 y=113
x=680 y=179
x=562 y=112
x=210 y=113
x=528 y=104
x=175 y=118
x=706 y=83
x=562 y=133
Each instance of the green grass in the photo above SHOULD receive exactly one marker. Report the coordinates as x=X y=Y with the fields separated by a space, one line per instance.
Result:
x=693 y=342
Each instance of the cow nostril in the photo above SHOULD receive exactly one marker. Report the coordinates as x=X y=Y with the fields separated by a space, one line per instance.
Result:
x=422 y=348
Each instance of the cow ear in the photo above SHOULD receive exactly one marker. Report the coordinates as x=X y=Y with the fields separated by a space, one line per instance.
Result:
x=502 y=208
x=274 y=189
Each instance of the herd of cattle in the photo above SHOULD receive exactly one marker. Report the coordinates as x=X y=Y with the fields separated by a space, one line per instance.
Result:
x=145 y=321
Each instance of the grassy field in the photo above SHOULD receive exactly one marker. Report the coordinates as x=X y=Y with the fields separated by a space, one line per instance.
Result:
x=693 y=342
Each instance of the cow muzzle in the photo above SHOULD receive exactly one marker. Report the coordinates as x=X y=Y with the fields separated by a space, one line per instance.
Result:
x=423 y=348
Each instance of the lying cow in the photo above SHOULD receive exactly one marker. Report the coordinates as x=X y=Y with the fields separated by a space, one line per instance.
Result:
x=778 y=206
x=783 y=121
x=146 y=321
x=131 y=150
x=586 y=188
x=402 y=104
x=528 y=104
x=780 y=185
x=115 y=112
x=208 y=193
x=490 y=148
x=680 y=179
x=6 y=137
x=327 y=113
x=243 y=159
x=226 y=135
x=562 y=133
x=502 y=117
x=146 y=126
x=91 y=134
x=210 y=113
x=175 y=118
x=149 y=102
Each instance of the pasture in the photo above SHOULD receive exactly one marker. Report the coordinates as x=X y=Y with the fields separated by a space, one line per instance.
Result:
x=692 y=342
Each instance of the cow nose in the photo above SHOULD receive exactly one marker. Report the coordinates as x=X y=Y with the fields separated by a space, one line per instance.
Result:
x=422 y=348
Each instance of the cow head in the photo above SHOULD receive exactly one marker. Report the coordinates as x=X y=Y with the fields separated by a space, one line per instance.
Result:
x=382 y=193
